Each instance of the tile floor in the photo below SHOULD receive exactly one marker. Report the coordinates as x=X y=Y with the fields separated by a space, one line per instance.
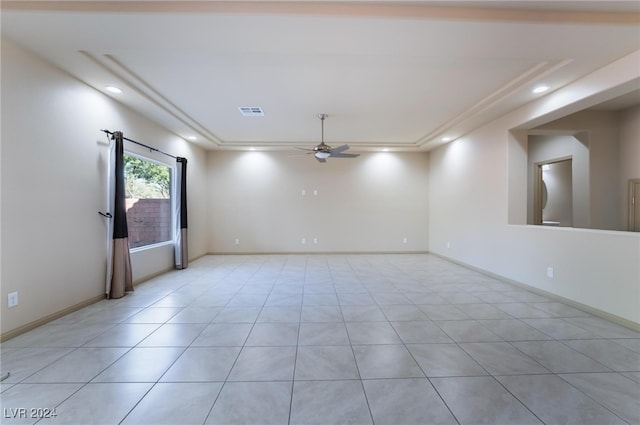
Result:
x=324 y=339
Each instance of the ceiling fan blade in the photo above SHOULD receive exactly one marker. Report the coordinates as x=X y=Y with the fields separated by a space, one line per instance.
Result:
x=339 y=149
x=304 y=149
x=300 y=154
x=344 y=155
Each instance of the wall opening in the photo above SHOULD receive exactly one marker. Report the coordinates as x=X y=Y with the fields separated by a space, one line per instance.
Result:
x=603 y=143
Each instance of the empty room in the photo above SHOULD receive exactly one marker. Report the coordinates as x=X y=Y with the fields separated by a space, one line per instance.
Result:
x=320 y=212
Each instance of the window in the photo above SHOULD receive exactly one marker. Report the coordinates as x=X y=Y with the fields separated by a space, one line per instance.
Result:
x=148 y=201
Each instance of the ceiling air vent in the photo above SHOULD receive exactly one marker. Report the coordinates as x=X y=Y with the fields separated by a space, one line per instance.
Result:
x=251 y=111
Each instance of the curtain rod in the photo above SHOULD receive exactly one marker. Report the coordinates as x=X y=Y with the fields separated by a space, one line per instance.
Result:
x=142 y=144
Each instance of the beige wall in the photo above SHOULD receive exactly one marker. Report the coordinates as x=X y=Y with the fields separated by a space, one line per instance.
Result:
x=366 y=204
x=478 y=185
x=53 y=154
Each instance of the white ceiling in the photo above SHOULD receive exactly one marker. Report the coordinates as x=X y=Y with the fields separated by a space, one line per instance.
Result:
x=388 y=74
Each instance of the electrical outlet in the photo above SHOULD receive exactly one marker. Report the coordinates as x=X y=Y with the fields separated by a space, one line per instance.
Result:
x=237 y=241
x=405 y=240
x=303 y=241
x=550 y=272
x=315 y=240
x=303 y=192
x=12 y=299
x=448 y=244
x=315 y=192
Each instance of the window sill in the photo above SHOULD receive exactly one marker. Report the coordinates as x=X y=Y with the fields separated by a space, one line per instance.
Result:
x=152 y=246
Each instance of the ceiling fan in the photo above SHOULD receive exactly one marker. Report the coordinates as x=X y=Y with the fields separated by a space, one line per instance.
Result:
x=324 y=151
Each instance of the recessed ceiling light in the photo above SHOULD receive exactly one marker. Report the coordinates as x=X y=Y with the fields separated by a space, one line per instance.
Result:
x=192 y=138
x=446 y=139
x=540 y=89
x=252 y=149
x=113 y=89
x=385 y=149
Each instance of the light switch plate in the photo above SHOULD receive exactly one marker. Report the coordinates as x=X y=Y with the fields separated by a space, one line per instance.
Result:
x=12 y=299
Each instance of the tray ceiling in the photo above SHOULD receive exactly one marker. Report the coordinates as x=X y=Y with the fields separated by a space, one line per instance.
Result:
x=388 y=74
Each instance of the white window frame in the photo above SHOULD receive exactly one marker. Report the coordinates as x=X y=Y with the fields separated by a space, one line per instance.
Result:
x=172 y=178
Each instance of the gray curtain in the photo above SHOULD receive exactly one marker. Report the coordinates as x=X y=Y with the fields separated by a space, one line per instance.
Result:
x=119 y=278
x=181 y=252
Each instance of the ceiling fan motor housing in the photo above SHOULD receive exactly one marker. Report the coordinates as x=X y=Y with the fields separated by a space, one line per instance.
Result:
x=322 y=147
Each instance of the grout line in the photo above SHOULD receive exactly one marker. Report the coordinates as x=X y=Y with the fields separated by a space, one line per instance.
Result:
x=355 y=361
